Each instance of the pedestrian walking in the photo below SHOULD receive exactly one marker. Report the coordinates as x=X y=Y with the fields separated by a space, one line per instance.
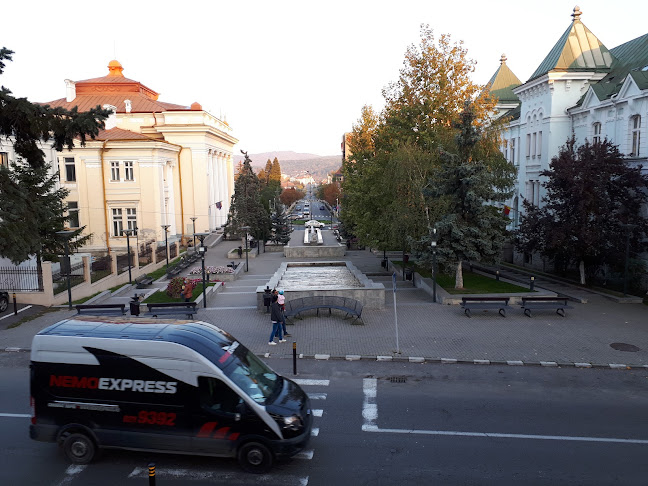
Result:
x=275 y=317
x=187 y=290
x=281 y=300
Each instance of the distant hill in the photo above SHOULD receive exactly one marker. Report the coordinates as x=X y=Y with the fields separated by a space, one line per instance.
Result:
x=295 y=164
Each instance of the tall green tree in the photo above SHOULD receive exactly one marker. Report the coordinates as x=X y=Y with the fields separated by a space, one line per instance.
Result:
x=32 y=210
x=593 y=203
x=28 y=123
x=246 y=208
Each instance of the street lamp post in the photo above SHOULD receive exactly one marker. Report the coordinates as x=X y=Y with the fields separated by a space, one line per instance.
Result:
x=67 y=234
x=166 y=227
x=194 y=230
x=128 y=233
x=434 y=244
x=203 y=251
x=246 y=229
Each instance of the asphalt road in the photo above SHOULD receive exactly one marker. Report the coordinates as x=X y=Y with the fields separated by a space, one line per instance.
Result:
x=396 y=423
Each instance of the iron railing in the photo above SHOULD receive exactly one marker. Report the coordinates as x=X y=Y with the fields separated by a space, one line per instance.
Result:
x=21 y=279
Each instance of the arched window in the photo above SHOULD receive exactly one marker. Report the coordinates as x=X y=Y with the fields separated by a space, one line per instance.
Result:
x=636 y=135
x=597 y=133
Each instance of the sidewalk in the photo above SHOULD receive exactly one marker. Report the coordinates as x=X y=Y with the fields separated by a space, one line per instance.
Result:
x=592 y=334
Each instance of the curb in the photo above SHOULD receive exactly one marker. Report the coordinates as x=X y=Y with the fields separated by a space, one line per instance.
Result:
x=422 y=360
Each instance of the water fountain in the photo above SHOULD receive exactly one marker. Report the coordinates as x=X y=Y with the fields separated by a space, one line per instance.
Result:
x=337 y=278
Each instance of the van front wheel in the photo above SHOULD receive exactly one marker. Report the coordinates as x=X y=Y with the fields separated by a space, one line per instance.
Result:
x=255 y=457
x=79 y=448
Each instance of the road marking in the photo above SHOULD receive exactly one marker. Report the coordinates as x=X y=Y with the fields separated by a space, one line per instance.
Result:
x=370 y=416
x=317 y=412
x=70 y=473
x=15 y=415
x=225 y=477
x=305 y=454
x=317 y=396
x=302 y=382
x=19 y=310
x=315 y=431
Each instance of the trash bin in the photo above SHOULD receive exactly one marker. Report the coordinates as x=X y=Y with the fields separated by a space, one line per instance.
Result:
x=134 y=306
x=408 y=274
x=267 y=298
x=383 y=263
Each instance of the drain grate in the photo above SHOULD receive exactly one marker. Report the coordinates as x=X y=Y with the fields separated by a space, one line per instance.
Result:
x=398 y=379
x=630 y=348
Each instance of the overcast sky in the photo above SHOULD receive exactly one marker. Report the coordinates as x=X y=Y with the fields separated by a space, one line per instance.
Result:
x=286 y=75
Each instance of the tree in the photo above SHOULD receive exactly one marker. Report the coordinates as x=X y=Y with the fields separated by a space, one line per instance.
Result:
x=280 y=226
x=468 y=183
x=28 y=123
x=430 y=113
x=329 y=193
x=32 y=210
x=593 y=203
x=275 y=171
x=246 y=208
x=290 y=196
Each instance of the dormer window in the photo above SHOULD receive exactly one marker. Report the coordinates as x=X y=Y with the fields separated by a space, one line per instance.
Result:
x=597 y=133
x=636 y=135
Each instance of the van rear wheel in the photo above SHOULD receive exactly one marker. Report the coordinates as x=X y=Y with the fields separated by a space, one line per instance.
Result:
x=255 y=457
x=79 y=448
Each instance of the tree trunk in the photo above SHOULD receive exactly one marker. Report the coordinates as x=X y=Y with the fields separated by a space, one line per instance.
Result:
x=581 y=269
x=459 y=277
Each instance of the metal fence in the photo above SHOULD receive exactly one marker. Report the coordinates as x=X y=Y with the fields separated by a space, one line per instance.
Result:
x=122 y=262
x=145 y=253
x=173 y=251
x=59 y=279
x=160 y=254
x=21 y=279
x=101 y=267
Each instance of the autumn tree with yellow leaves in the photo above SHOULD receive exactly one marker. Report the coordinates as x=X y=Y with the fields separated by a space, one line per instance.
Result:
x=393 y=181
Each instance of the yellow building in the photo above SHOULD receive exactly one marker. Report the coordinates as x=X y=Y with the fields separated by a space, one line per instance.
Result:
x=155 y=164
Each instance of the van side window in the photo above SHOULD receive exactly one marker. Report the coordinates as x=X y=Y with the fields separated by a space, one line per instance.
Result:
x=216 y=396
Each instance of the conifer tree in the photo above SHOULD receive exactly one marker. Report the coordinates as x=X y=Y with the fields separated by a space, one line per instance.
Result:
x=246 y=208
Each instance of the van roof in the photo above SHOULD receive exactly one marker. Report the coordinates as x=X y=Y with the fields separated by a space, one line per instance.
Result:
x=204 y=338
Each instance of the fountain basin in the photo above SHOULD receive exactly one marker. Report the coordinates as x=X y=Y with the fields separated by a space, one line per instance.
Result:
x=337 y=278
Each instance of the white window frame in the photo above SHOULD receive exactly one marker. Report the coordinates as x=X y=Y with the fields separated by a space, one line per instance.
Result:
x=636 y=136
x=73 y=207
x=539 y=144
x=69 y=163
x=597 y=129
x=528 y=147
x=114 y=171
x=513 y=150
x=117 y=220
x=129 y=170
x=131 y=218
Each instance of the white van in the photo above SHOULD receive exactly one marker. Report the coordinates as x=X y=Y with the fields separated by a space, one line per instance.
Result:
x=161 y=385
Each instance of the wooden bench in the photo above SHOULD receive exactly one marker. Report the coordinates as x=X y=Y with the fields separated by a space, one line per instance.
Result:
x=101 y=309
x=171 y=308
x=487 y=303
x=351 y=307
x=557 y=303
x=143 y=281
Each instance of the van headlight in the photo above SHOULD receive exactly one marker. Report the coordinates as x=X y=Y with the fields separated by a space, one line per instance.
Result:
x=293 y=422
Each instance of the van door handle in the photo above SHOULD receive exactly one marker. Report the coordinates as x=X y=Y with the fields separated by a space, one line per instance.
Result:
x=237 y=417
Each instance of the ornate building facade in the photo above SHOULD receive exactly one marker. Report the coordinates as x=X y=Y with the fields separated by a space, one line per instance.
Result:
x=156 y=164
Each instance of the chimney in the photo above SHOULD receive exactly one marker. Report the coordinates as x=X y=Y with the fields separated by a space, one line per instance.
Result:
x=129 y=106
x=70 y=90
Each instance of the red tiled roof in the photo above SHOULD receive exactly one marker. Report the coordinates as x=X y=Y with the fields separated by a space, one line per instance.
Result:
x=139 y=103
x=113 y=89
x=120 y=134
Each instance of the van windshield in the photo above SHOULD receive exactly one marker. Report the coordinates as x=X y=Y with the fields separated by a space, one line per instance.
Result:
x=253 y=376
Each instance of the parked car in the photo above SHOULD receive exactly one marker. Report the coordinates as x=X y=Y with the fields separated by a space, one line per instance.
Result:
x=4 y=300
x=323 y=208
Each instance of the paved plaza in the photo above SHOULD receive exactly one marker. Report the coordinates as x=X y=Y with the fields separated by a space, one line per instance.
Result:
x=594 y=333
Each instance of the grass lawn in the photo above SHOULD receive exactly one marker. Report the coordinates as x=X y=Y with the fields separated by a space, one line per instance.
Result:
x=160 y=296
x=474 y=283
